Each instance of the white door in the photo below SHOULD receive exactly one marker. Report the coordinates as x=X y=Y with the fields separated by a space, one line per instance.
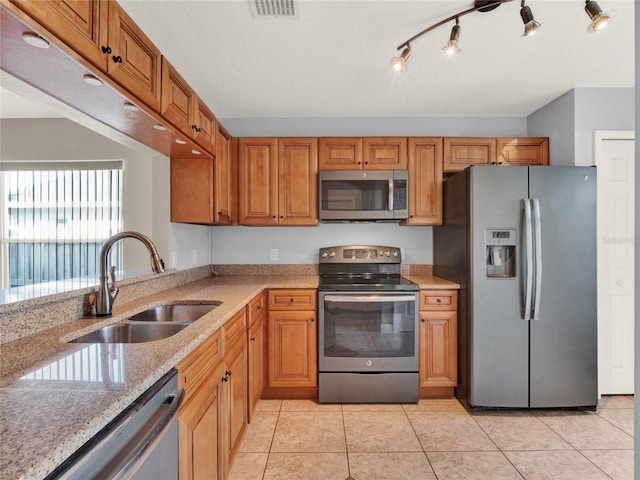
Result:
x=615 y=159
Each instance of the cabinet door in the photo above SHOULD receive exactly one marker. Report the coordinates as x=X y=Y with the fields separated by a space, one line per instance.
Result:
x=425 y=181
x=385 y=153
x=222 y=177
x=237 y=375
x=343 y=153
x=460 y=152
x=298 y=181
x=192 y=190
x=292 y=348
x=258 y=181
x=81 y=25
x=178 y=100
x=134 y=62
x=198 y=427
x=523 y=151
x=204 y=126
x=438 y=349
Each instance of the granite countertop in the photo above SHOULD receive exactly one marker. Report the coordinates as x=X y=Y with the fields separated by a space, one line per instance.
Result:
x=56 y=395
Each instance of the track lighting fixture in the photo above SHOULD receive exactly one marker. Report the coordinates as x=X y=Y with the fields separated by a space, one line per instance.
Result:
x=452 y=47
x=399 y=64
x=530 y=24
x=599 y=20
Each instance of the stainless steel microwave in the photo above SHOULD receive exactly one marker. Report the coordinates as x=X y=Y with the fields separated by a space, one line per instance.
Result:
x=363 y=195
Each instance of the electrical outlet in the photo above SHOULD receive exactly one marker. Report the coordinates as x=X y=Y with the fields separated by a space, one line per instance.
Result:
x=273 y=255
x=194 y=255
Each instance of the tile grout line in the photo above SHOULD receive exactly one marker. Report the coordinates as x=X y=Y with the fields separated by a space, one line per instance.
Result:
x=273 y=435
x=433 y=470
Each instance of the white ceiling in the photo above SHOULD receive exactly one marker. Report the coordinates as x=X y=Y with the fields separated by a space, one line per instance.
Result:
x=333 y=61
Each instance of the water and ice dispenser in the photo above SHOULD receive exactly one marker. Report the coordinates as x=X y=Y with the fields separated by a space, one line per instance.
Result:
x=500 y=252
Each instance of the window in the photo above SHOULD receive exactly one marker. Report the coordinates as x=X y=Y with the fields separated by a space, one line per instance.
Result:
x=55 y=216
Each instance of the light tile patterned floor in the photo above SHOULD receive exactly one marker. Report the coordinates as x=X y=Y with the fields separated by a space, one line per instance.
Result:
x=435 y=440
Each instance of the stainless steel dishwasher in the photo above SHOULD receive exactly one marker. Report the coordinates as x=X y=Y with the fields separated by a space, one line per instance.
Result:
x=141 y=443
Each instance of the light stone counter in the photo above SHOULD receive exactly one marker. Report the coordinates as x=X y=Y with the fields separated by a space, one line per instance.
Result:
x=430 y=282
x=55 y=395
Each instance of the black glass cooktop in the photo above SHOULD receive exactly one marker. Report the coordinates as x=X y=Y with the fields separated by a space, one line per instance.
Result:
x=366 y=282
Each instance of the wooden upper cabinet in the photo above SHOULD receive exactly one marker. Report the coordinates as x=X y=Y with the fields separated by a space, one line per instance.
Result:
x=204 y=126
x=460 y=152
x=81 y=25
x=385 y=153
x=223 y=186
x=278 y=181
x=425 y=181
x=134 y=62
x=178 y=101
x=368 y=153
x=523 y=151
x=298 y=181
x=343 y=153
x=258 y=181
x=192 y=196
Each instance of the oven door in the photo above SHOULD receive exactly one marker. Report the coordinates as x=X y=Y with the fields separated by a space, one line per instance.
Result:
x=368 y=332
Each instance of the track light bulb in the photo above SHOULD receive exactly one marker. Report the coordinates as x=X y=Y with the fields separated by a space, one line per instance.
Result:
x=452 y=47
x=530 y=24
x=399 y=64
x=599 y=19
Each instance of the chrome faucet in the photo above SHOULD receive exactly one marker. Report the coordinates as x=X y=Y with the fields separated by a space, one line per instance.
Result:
x=106 y=294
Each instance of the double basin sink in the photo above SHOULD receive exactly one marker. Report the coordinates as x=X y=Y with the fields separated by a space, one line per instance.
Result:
x=154 y=323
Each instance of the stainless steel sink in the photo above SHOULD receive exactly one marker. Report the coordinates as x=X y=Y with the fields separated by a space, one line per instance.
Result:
x=131 y=333
x=180 y=312
x=154 y=323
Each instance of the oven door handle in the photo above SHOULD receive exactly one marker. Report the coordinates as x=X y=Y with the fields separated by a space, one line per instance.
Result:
x=369 y=298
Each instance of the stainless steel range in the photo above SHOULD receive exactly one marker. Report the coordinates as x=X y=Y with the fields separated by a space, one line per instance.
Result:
x=368 y=329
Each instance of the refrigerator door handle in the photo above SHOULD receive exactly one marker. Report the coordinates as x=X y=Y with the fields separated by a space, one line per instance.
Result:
x=537 y=286
x=528 y=249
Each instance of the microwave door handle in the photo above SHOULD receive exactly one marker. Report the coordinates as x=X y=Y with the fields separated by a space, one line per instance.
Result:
x=391 y=194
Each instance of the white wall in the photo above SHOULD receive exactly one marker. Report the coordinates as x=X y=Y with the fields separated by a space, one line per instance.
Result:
x=571 y=120
x=300 y=245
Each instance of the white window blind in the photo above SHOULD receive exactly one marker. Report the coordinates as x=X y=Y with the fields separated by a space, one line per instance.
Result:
x=55 y=218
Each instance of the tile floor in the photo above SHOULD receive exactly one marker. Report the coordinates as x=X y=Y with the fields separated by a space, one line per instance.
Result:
x=435 y=440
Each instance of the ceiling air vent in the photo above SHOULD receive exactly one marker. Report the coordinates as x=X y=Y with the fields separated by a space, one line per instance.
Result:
x=274 y=8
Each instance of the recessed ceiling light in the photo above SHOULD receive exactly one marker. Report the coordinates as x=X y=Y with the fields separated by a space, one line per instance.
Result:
x=180 y=141
x=92 y=79
x=196 y=152
x=130 y=107
x=35 y=40
x=157 y=126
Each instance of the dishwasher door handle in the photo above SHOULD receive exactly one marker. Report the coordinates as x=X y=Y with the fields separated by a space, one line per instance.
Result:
x=148 y=441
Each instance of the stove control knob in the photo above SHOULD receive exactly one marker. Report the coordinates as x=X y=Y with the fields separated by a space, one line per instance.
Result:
x=324 y=254
x=332 y=253
x=387 y=253
x=396 y=253
x=368 y=363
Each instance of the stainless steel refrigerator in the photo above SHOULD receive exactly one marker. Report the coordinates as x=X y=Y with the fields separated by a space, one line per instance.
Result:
x=521 y=241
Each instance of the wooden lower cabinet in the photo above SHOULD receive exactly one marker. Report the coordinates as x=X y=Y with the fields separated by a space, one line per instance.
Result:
x=292 y=344
x=200 y=376
x=438 y=368
x=257 y=343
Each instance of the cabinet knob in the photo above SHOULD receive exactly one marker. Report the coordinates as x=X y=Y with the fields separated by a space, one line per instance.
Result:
x=106 y=49
x=252 y=339
x=291 y=300
x=312 y=319
x=422 y=320
x=359 y=163
x=259 y=307
x=117 y=59
x=219 y=212
x=224 y=379
x=193 y=127
x=228 y=373
x=439 y=300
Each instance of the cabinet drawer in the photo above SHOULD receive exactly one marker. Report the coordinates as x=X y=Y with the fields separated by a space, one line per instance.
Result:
x=292 y=299
x=438 y=300
x=194 y=369
x=234 y=328
x=257 y=308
